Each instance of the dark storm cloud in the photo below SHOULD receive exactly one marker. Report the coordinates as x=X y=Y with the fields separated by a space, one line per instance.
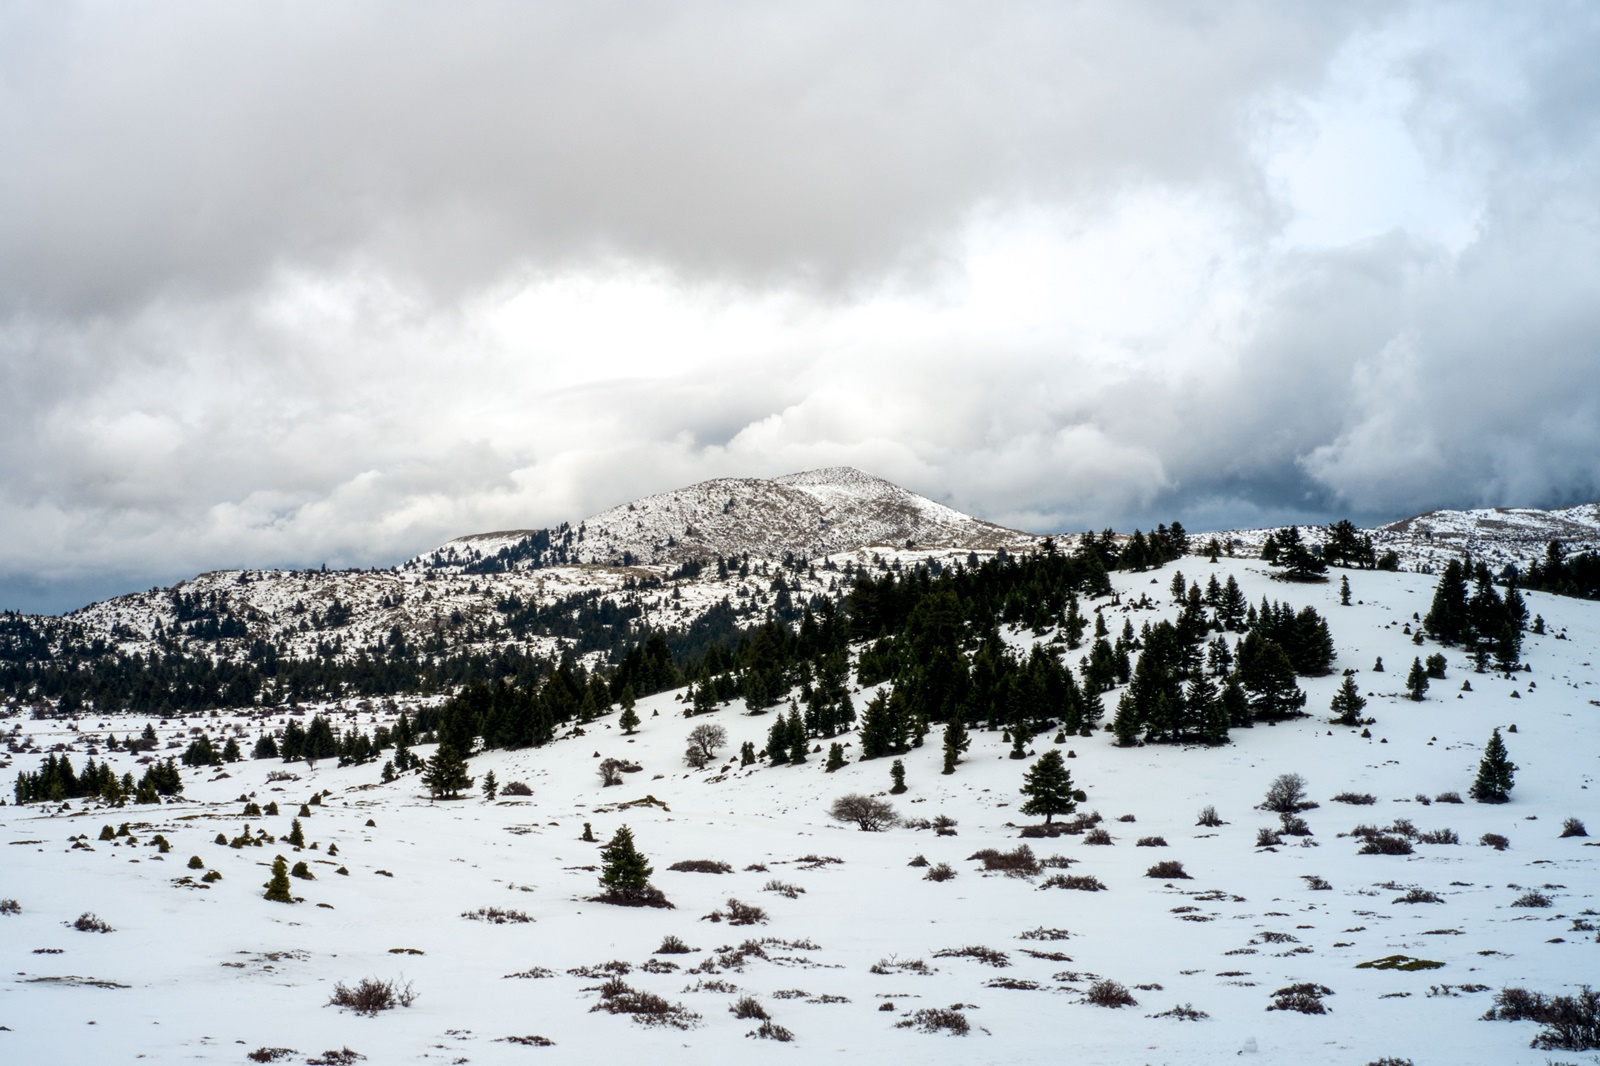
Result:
x=284 y=284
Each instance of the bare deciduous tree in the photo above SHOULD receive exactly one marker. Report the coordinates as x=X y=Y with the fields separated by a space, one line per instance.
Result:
x=704 y=740
x=870 y=815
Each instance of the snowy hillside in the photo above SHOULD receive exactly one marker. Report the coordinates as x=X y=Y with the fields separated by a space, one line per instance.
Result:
x=858 y=951
x=814 y=513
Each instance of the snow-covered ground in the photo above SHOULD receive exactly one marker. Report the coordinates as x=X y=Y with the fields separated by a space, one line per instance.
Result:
x=210 y=974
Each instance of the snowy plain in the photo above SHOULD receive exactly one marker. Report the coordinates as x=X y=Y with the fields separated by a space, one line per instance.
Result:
x=207 y=974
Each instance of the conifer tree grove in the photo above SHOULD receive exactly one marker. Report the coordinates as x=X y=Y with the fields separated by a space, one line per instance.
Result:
x=1495 y=772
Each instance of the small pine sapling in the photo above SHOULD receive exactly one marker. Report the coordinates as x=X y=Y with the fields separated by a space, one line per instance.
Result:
x=835 y=757
x=897 y=774
x=278 y=886
x=1417 y=681
x=491 y=787
x=1496 y=772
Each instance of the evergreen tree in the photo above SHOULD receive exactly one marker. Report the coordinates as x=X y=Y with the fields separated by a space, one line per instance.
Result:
x=778 y=741
x=798 y=744
x=491 y=787
x=897 y=774
x=747 y=754
x=1048 y=786
x=1417 y=680
x=1019 y=742
x=624 y=873
x=1125 y=725
x=1344 y=590
x=629 y=720
x=446 y=773
x=1508 y=647
x=1347 y=703
x=956 y=741
x=297 y=835
x=1447 y=617
x=278 y=887
x=835 y=757
x=1495 y=772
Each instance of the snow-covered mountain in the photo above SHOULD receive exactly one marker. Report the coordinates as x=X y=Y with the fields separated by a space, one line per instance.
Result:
x=812 y=513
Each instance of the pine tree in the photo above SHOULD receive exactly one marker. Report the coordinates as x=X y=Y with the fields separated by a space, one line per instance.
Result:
x=491 y=787
x=1417 y=680
x=956 y=741
x=446 y=773
x=624 y=873
x=747 y=754
x=897 y=774
x=1347 y=703
x=1048 y=786
x=1125 y=724
x=297 y=835
x=629 y=720
x=1019 y=743
x=835 y=757
x=278 y=887
x=1344 y=591
x=778 y=742
x=1495 y=772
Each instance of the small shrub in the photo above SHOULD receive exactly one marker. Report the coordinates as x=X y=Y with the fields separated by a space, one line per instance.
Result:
x=1573 y=828
x=1151 y=842
x=869 y=815
x=744 y=913
x=1292 y=825
x=1079 y=882
x=1286 y=795
x=987 y=956
x=303 y=872
x=1495 y=841
x=936 y=1020
x=941 y=872
x=1184 y=1013
x=1019 y=862
x=1447 y=797
x=1042 y=933
x=270 y=1054
x=369 y=996
x=783 y=888
x=196 y=863
x=1209 y=817
x=1357 y=799
x=1108 y=993
x=496 y=916
x=1532 y=898
x=1170 y=869
x=1267 y=837
x=211 y=877
x=646 y=1008
x=1097 y=836
x=1384 y=844
x=1315 y=883
x=10 y=906
x=748 y=1007
x=1304 y=997
x=88 y=922
x=1438 y=836
x=342 y=1057
x=701 y=866
x=1419 y=895
x=919 y=862
x=515 y=788
x=1571 y=1023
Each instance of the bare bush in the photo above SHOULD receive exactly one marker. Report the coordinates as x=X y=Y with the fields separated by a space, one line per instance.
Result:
x=1169 y=869
x=673 y=945
x=88 y=922
x=1079 y=882
x=1571 y=1023
x=987 y=956
x=270 y=1054
x=1438 y=836
x=1097 y=836
x=1356 y=799
x=515 y=788
x=771 y=1030
x=745 y=913
x=748 y=1007
x=936 y=1020
x=783 y=888
x=919 y=861
x=1108 y=993
x=1419 y=895
x=869 y=815
x=610 y=771
x=1304 y=997
x=941 y=872
x=1019 y=862
x=1286 y=795
x=10 y=906
x=1152 y=842
x=496 y=916
x=1316 y=883
x=1267 y=837
x=1183 y=1013
x=1573 y=828
x=701 y=866
x=1209 y=818
x=1384 y=844
x=1532 y=898
x=369 y=996
x=646 y=1008
x=1495 y=841
x=1447 y=797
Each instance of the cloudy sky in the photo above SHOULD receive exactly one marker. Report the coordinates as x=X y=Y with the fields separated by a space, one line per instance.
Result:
x=293 y=283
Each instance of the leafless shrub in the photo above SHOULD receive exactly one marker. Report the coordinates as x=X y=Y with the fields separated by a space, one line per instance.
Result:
x=1019 y=862
x=937 y=1019
x=1108 y=993
x=10 y=906
x=1315 y=883
x=815 y=862
x=987 y=956
x=270 y=1054
x=1532 y=898
x=1151 y=842
x=744 y=913
x=701 y=866
x=941 y=872
x=369 y=996
x=919 y=862
x=704 y=740
x=783 y=888
x=771 y=1030
x=1209 y=817
x=1041 y=933
x=869 y=815
x=614 y=968
x=515 y=788
x=1419 y=895
x=1056 y=862
x=88 y=922
x=1438 y=836
x=1447 y=797
x=1169 y=869
x=496 y=916
x=1080 y=882
x=535 y=973
x=1495 y=841
x=646 y=1008
x=530 y=1041
x=610 y=771
x=673 y=945
x=1358 y=799
x=1097 y=836
x=1571 y=1023
x=1267 y=837
x=1384 y=844
x=1573 y=828
x=342 y=1057
x=1286 y=795
x=281 y=775
x=748 y=1007
x=894 y=965
x=1304 y=997
x=1292 y=825
x=1184 y=1013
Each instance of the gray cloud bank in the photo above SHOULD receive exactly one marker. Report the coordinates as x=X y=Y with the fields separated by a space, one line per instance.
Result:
x=282 y=284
